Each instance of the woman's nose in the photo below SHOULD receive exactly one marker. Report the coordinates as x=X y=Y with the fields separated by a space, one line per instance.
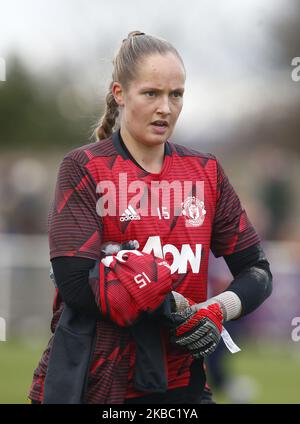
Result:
x=164 y=106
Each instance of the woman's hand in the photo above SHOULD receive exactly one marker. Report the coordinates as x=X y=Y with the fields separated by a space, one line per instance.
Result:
x=199 y=332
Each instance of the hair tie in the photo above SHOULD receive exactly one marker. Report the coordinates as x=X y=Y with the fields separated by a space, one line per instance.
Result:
x=133 y=34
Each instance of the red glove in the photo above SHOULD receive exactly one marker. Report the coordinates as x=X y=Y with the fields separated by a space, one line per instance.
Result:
x=130 y=283
x=198 y=332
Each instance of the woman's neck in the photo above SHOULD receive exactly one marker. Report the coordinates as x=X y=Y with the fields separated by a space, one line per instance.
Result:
x=150 y=158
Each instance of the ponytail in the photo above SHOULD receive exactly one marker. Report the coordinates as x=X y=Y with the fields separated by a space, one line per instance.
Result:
x=108 y=119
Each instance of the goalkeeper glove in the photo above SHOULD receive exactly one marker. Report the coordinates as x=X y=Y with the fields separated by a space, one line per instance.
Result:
x=198 y=332
x=127 y=283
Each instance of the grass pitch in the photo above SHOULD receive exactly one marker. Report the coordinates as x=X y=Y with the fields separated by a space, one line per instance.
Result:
x=270 y=373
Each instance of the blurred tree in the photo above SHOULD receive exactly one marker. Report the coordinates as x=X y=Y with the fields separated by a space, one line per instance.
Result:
x=286 y=33
x=277 y=124
x=282 y=125
x=32 y=116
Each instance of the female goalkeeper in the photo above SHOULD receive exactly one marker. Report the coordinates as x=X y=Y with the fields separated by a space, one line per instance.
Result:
x=132 y=322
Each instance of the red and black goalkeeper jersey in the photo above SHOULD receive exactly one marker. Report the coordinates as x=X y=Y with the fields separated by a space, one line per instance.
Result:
x=190 y=207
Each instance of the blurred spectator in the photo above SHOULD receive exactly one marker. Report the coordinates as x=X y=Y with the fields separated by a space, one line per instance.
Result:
x=25 y=208
x=277 y=194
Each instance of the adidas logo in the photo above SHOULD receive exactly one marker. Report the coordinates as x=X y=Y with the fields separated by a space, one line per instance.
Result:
x=130 y=214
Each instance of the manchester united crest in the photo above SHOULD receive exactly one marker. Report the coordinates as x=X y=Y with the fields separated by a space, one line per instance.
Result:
x=194 y=212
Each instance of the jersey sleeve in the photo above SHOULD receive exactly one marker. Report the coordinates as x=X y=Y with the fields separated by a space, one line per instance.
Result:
x=232 y=231
x=74 y=228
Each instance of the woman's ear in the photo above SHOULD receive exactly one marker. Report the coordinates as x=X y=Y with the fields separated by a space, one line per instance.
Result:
x=118 y=93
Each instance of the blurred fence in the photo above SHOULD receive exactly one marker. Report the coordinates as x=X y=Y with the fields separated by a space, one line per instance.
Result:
x=26 y=292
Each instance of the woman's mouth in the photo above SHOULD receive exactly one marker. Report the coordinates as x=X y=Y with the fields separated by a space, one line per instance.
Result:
x=160 y=123
x=160 y=126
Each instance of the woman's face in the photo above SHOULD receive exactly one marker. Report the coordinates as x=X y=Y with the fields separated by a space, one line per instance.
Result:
x=153 y=101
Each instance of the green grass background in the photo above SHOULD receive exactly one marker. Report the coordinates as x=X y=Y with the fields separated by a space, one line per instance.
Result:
x=274 y=369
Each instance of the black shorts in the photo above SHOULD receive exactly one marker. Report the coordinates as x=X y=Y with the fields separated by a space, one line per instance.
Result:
x=182 y=395
x=194 y=393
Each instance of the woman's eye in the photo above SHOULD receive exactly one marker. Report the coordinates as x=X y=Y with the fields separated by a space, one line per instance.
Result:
x=177 y=94
x=150 y=93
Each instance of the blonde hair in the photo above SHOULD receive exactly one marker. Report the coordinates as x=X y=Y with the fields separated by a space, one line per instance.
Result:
x=133 y=50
